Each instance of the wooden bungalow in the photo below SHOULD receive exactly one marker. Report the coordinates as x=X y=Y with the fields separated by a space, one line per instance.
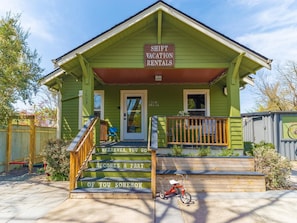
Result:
x=160 y=78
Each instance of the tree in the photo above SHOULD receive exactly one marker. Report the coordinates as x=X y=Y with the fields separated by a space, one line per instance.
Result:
x=279 y=94
x=45 y=109
x=19 y=70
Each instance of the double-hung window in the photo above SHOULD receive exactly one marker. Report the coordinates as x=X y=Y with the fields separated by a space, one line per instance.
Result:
x=98 y=104
x=196 y=102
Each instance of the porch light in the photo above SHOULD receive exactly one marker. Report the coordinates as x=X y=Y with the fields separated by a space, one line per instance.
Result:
x=225 y=91
x=158 y=77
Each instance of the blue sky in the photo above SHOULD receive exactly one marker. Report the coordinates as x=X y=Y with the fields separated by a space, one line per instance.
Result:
x=57 y=26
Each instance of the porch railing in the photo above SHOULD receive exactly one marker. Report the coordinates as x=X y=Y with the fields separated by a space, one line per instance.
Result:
x=196 y=130
x=80 y=150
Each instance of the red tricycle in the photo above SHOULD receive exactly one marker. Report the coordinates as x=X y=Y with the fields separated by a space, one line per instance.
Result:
x=177 y=188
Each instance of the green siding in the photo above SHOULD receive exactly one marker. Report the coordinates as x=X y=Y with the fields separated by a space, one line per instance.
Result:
x=70 y=106
x=165 y=101
x=70 y=122
x=218 y=48
x=190 y=53
x=128 y=53
x=235 y=133
x=218 y=102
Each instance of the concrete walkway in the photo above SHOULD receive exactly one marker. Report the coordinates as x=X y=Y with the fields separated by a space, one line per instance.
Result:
x=30 y=199
x=36 y=200
x=272 y=206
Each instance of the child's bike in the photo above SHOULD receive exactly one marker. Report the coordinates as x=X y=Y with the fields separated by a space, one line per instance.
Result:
x=177 y=188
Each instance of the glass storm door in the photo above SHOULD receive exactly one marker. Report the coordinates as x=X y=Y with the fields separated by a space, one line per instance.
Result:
x=133 y=115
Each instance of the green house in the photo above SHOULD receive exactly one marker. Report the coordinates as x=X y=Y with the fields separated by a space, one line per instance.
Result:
x=159 y=62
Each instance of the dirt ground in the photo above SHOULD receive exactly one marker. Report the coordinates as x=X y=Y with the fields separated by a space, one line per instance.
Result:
x=22 y=174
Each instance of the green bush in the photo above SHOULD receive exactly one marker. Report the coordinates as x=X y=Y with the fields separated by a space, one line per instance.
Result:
x=277 y=169
x=57 y=159
x=248 y=148
x=204 y=151
x=177 y=150
x=228 y=152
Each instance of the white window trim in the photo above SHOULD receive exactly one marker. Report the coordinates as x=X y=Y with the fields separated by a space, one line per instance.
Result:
x=186 y=92
x=101 y=92
x=80 y=105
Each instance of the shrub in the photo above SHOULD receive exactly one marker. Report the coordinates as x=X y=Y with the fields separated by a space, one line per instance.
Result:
x=204 y=151
x=177 y=150
x=248 y=148
x=277 y=169
x=57 y=159
x=228 y=152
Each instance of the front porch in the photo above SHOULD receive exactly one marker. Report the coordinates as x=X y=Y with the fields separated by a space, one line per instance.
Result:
x=168 y=131
x=137 y=169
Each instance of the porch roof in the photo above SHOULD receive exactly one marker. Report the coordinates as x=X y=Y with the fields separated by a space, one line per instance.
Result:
x=168 y=76
x=135 y=75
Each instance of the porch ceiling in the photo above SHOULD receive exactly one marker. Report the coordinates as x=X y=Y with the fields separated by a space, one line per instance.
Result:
x=147 y=76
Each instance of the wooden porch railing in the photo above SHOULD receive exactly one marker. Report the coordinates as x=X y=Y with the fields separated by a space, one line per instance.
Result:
x=196 y=130
x=80 y=150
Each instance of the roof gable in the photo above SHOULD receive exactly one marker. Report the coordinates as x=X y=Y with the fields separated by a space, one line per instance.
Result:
x=160 y=5
x=177 y=17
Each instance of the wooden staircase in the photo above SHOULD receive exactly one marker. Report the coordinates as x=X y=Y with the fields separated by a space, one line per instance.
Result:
x=116 y=172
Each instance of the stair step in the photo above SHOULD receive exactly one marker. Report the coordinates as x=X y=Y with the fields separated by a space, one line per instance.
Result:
x=114 y=182
x=105 y=193
x=122 y=150
x=126 y=164
x=215 y=181
x=120 y=156
x=116 y=172
x=131 y=179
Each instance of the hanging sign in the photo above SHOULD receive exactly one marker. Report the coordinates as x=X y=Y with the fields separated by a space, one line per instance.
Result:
x=159 y=55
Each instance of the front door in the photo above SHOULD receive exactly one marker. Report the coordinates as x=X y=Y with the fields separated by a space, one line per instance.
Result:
x=133 y=114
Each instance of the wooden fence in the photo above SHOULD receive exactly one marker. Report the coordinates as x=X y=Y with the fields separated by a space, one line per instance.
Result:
x=17 y=141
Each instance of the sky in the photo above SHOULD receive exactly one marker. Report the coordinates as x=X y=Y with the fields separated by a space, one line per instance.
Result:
x=268 y=27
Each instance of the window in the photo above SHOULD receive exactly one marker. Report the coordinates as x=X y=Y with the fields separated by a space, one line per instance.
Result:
x=196 y=102
x=98 y=106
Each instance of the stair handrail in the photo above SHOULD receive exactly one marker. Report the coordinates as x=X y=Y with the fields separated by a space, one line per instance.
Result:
x=149 y=134
x=81 y=149
x=153 y=147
